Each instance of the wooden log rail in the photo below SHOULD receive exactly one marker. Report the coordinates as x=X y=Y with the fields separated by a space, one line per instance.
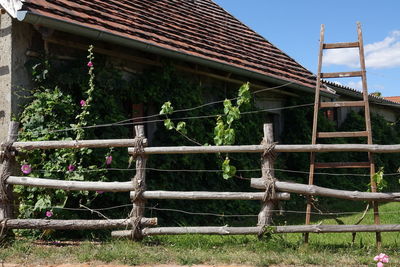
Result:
x=128 y=187
x=255 y=183
x=327 y=192
x=205 y=149
x=72 y=224
x=139 y=226
x=225 y=230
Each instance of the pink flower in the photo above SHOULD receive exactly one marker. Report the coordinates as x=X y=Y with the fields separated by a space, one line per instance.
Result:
x=49 y=213
x=90 y=64
x=99 y=192
x=108 y=160
x=26 y=169
x=381 y=258
x=82 y=103
x=71 y=168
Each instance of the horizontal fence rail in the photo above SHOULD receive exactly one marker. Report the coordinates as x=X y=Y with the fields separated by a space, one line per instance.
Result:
x=278 y=148
x=205 y=149
x=71 y=185
x=73 y=224
x=313 y=190
x=225 y=230
x=128 y=187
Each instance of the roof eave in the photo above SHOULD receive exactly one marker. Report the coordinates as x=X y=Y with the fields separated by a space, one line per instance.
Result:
x=99 y=35
x=372 y=99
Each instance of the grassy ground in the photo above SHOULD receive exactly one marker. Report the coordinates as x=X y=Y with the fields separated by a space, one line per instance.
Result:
x=323 y=250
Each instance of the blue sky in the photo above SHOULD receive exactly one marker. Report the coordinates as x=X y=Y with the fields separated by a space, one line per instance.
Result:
x=293 y=26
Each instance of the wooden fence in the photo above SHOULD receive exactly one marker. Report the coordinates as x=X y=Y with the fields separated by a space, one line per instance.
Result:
x=136 y=226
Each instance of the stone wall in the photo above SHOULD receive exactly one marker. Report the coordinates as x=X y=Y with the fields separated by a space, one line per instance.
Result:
x=15 y=39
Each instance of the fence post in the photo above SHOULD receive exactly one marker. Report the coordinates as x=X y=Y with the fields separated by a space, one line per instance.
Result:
x=139 y=183
x=8 y=162
x=267 y=165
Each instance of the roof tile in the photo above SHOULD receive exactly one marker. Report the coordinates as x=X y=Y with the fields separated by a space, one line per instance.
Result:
x=196 y=27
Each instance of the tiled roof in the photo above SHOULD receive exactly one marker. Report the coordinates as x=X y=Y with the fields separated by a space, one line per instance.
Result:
x=393 y=98
x=198 y=28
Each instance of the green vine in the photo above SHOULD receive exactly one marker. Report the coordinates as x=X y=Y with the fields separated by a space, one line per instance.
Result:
x=224 y=134
x=53 y=108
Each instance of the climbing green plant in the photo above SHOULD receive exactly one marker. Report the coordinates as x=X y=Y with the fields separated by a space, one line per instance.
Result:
x=168 y=109
x=57 y=111
x=380 y=182
x=224 y=134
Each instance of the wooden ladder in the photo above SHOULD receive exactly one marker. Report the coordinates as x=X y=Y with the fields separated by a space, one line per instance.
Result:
x=364 y=103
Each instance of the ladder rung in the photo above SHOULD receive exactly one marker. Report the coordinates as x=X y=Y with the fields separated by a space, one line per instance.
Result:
x=342 y=134
x=342 y=104
x=342 y=165
x=341 y=74
x=341 y=45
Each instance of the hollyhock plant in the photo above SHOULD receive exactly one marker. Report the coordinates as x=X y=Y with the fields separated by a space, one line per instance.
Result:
x=26 y=169
x=381 y=259
x=49 y=213
x=71 y=167
x=90 y=64
x=82 y=103
x=108 y=160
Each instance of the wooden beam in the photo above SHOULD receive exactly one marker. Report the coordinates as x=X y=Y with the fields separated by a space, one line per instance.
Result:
x=341 y=45
x=342 y=104
x=7 y=160
x=74 y=144
x=268 y=176
x=278 y=148
x=341 y=74
x=138 y=183
x=342 y=134
x=225 y=230
x=314 y=190
x=206 y=149
x=73 y=224
x=198 y=195
x=341 y=165
x=70 y=185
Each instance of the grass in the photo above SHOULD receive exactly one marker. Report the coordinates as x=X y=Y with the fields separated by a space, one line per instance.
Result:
x=323 y=249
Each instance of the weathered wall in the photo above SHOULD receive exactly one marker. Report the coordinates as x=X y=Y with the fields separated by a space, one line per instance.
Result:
x=5 y=74
x=15 y=38
x=391 y=115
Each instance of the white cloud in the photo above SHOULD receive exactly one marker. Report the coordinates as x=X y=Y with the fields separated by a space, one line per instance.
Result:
x=337 y=82
x=358 y=86
x=382 y=54
x=355 y=85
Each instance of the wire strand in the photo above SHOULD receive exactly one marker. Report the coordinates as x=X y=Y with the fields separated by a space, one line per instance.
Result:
x=211 y=171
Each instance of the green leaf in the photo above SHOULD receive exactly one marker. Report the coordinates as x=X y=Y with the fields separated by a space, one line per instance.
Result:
x=244 y=94
x=229 y=137
x=181 y=127
x=169 y=124
x=227 y=106
x=166 y=108
x=228 y=170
